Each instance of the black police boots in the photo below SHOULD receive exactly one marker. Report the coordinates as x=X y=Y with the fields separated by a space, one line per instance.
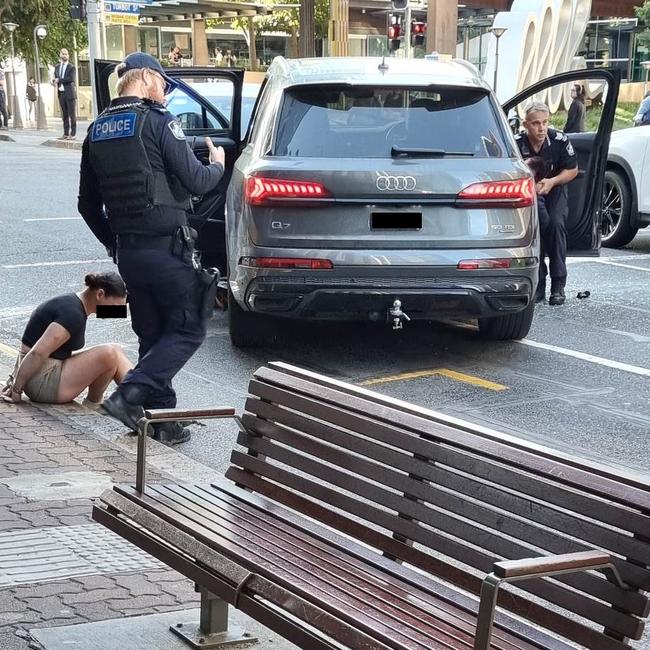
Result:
x=540 y=292
x=170 y=433
x=125 y=404
x=557 y=291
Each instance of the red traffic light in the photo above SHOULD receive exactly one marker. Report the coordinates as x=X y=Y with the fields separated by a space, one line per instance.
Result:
x=394 y=31
x=418 y=28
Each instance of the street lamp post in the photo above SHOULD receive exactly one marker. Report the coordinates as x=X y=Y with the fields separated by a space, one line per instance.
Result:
x=40 y=31
x=13 y=100
x=498 y=33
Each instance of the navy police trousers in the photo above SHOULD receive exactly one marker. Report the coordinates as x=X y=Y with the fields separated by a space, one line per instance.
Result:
x=165 y=315
x=553 y=210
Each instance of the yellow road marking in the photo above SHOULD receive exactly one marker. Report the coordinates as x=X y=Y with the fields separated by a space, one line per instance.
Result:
x=441 y=372
x=9 y=351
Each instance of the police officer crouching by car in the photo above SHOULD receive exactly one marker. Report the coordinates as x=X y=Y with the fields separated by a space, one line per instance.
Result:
x=557 y=152
x=137 y=176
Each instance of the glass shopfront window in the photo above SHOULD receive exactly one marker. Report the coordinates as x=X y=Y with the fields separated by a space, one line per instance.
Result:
x=150 y=41
x=114 y=43
x=610 y=42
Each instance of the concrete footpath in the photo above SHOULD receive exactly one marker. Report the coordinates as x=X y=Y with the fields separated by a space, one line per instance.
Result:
x=30 y=135
x=61 y=574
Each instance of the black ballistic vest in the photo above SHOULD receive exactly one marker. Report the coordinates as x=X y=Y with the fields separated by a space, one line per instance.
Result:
x=131 y=189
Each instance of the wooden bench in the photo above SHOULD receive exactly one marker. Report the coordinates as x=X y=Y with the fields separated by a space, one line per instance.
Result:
x=355 y=520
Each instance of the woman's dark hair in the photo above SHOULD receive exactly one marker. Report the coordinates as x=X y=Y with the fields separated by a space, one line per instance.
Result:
x=580 y=92
x=537 y=165
x=110 y=282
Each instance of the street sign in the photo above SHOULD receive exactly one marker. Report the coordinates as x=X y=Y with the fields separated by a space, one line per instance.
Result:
x=122 y=13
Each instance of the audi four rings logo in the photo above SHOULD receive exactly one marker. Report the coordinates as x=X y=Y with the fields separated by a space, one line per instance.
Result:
x=396 y=183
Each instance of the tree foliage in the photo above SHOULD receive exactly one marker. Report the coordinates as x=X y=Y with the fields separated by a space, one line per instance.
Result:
x=28 y=14
x=643 y=14
x=286 y=20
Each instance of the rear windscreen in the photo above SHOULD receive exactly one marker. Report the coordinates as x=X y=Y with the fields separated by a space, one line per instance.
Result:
x=343 y=121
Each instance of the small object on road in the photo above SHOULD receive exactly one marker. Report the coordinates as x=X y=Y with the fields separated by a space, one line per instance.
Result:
x=583 y=294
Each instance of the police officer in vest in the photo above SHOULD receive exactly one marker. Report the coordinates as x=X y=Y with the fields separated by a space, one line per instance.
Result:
x=137 y=176
x=552 y=198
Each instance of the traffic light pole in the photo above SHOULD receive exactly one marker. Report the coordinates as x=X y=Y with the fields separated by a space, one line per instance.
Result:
x=94 y=45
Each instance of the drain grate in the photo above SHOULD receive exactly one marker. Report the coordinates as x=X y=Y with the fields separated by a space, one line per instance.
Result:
x=45 y=554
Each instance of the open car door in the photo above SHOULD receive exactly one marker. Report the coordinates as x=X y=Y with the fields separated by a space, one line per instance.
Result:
x=586 y=191
x=207 y=101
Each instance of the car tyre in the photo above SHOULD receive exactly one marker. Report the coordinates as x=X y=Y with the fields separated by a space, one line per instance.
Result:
x=507 y=327
x=617 y=211
x=246 y=328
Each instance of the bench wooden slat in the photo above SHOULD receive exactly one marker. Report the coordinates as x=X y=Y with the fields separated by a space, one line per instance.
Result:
x=497 y=546
x=208 y=557
x=563 y=471
x=397 y=635
x=497 y=519
x=551 y=591
x=216 y=501
x=533 y=611
x=592 y=467
x=461 y=484
x=539 y=487
x=404 y=610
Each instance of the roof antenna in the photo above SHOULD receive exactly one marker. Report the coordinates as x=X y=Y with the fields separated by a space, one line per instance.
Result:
x=383 y=67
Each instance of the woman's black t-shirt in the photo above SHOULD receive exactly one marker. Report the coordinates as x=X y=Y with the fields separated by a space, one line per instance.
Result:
x=68 y=311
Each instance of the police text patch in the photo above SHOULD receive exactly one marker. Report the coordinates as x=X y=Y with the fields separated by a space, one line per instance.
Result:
x=111 y=127
x=177 y=130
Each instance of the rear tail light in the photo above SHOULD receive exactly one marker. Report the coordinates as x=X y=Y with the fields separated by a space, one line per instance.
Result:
x=500 y=263
x=259 y=190
x=519 y=193
x=287 y=263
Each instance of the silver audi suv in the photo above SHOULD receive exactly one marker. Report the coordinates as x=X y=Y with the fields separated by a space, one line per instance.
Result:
x=380 y=189
x=375 y=189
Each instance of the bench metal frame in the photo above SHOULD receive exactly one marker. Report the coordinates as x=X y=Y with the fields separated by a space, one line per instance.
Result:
x=212 y=630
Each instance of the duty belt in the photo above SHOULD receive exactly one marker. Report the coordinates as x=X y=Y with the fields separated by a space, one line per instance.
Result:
x=151 y=242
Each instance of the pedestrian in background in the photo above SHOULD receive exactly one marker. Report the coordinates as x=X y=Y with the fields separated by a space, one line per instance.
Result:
x=575 y=122
x=4 y=121
x=561 y=168
x=31 y=96
x=229 y=60
x=138 y=174
x=51 y=366
x=218 y=57
x=65 y=82
x=642 y=116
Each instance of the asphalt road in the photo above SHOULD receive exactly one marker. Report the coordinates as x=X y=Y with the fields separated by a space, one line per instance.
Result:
x=579 y=383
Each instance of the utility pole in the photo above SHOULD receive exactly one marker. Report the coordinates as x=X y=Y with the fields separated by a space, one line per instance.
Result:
x=14 y=102
x=338 y=27
x=307 y=43
x=93 y=13
x=442 y=26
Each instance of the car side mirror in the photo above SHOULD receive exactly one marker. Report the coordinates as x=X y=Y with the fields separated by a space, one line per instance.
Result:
x=515 y=124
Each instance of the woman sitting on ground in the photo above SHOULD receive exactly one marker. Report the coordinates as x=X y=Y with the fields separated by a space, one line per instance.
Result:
x=52 y=367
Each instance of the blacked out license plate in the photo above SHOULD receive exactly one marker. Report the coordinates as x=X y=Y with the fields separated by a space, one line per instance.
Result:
x=396 y=221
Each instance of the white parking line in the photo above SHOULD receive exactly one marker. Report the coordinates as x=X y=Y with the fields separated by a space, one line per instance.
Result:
x=55 y=219
x=601 y=361
x=608 y=258
x=625 y=266
x=66 y=263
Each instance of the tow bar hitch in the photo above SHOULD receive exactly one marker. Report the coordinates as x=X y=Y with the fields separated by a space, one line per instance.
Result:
x=396 y=314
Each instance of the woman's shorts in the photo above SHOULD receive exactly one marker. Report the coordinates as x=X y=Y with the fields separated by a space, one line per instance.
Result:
x=44 y=386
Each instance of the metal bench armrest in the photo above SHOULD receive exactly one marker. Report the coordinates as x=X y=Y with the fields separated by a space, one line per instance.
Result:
x=172 y=415
x=537 y=567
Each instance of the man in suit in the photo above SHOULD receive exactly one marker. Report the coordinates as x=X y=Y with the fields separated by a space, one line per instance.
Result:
x=66 y=86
